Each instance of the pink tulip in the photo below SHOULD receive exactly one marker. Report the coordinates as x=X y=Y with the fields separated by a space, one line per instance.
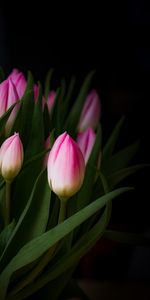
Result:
x=66 y=167
x=11 y=157
x=85 y=141
x=8 y=96
x=19 y=81
x=51 y=100
x=36 y=92
x=91 y=112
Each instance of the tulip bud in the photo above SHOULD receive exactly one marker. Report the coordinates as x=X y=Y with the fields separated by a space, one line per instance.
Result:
x=66 y=167
x=19 y=81
x=11 y=157
x=51 y=100
x=85 y=141
x=8 y=96
x=91 y=112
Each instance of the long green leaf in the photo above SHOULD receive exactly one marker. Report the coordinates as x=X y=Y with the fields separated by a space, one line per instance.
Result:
x=83 y=245
x=5 y=117
x=120 y=159
x=48 y=83
x=35 y=248
x=36 y=138
x=73 y=118
x=46 y=121
x=33 y=220
x=5 y=236
x=22 y=187
x=67 y=99
x=55 y=287
x=24 y=117
x=85 y=193
x=110 y=145
x=55 y=114
x=117 y=177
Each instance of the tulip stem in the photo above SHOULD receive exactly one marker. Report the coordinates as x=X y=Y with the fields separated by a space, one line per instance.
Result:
x=7 y=203
x=62 y=211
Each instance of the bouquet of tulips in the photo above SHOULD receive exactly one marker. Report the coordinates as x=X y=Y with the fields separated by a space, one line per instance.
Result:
x=57 y=183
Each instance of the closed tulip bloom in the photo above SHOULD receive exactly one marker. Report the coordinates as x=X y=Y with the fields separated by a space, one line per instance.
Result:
x=19 y=81
x=90 y=114
x=8 y=96
x=66 y=167
x=51 y=100
x=11 y=157
x=86 y=141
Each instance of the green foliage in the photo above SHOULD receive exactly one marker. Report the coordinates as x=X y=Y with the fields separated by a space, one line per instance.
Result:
x=38 y=255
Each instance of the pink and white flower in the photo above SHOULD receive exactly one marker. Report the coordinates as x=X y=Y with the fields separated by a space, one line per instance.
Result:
x=90 y=114
x=85 y=141
x=66 y=167
x=11 y=157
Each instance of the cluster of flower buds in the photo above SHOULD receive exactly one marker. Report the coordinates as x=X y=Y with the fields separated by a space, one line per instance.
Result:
x=67 y=159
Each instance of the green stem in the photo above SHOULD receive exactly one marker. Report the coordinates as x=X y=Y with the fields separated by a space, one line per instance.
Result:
x=62 y=211
x=7 y=203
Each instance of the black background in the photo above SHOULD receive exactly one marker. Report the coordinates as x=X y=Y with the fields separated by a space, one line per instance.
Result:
x=114 y=40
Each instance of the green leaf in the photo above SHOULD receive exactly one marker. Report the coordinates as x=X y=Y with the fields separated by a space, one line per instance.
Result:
x=118 y=176
x=5 y=117
x=33 y=220
x=84 y=195
x=5 y=235
x=48 y=83
x=55 y=287
x=82 y=246
x=2 y=76
x=2 y=201
x=127 y=238
x=68 y=96
x=35 y=248
x=65 y=103
x=46 y=121
x=73 y=118
x=23 y=120
x=23 y=185
x=120 y=160
x=56 y=113
x=110 y=145
x=36 y=138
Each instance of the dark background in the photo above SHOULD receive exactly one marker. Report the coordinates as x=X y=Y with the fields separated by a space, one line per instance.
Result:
x=114 y=40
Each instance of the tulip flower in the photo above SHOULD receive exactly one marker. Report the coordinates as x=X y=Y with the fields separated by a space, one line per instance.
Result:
x=66 y=167
x=51 y=100
x=19 y=81
x=8 y=96
x=91 y=112
x=11 y=157
x=85 y=141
